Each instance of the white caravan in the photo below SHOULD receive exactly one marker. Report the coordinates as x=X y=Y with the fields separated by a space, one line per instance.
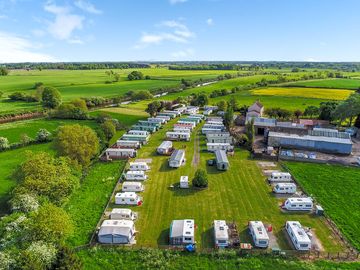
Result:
x=298 y=235
x=259 y=234
x=128 y=144
x=132 y=186
x=285 y=188
x=138 y=132
x=128 y=198
x=178 y=136
x=139 y=166
x=221 y=234
x=122 y=213
x=298 y=204
x=280 y=177
x=135 y=175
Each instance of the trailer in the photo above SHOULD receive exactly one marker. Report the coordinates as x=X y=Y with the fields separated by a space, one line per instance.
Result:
x=298 y=204
x=284 y=188
x=122 y=213
x=135 y=176
x=258 y=233
x=212 y=147
x=189 y=126
x=141 y=138
x=177 y=136
x=221 y=234
x=128 y=144
x=182 y=129
x=280 y=177
x=146 y=128
x=132 y=186
x=298 y=235
x=138 y=132
x=128 y=198
x=165 y=148
x=139 y=166
x=120 y=153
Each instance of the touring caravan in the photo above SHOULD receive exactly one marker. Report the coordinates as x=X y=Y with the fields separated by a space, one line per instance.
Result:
x=177 y=136
x=165 y=148
x=128 y=198
x=135 y=175
x=298 y=204
x=122 y=213
x=139 y=166
x=212 y=147
x=128 y=144
x=259 y=234
x=221 y=234
x=298 y=235
x=120 y=153
x=280 y=177
x=117 y=232
x=285 y=188
x=138 y=132
x=132 y=187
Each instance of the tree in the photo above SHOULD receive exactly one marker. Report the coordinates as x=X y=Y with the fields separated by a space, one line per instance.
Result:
x=24 y=139
x=202 y=100
x=4 y=71
x=67 y=259
x=109 y=128
x=141 y=95
x=24 y=203
x=222 y=105
x=135 y=75
x=250 y=133
x=229 y=118
x=38 y=84
x=200 y=179
x=43 y=135
x=51 y=97
x=326 y=109
x=153 y=108
x=39 y=255
x=348 y=109
x=298 y=113
x=233 y=103
x=79 y=103
x=80 y=143
x=4 y=143
x=311 y=111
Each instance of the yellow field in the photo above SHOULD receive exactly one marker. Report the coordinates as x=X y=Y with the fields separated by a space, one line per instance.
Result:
x=321 y=93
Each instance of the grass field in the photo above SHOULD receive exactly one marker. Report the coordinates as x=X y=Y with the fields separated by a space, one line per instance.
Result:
x=239 y=194
x=329 y=83
x=337 y=189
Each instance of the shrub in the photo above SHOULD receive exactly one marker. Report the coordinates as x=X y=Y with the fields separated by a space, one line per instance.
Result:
x=4 y=143
x=200 y=179
x=135 y=75
x=51 y=97
x=24 y=203
x=43 y=135
x=39 y=255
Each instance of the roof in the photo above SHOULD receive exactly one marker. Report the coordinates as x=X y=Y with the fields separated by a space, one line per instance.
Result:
x=124 y=211
x=120 y=150
x=310 y=137
x=165 y=145
x=178 y=133
x=118 y=227
x=129 y=184
x=221 y=230
x=285 y=185
x=126 y=195
x=180 y=228
x=220 y=134
x=138 y=163
x=299 y=232
x=221 y=156
x=177 y=155
x=215 y=144
x=135 y=135
x=262 y=121
x=184 y=178
x=135 y=172
x=138 y=131
x=259 y=230
x=300 y=200
x=257 y=106
x=123 y=141
x=280 y=174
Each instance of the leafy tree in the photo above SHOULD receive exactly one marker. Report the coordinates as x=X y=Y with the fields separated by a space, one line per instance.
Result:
x=101 y=117
x=141 y=95
x=43 y=135
x=229 y=118
x=38 y=84
x=348 y=109
x=4 y=143
x=233 y=103
x=250 y=133
x=24 y=203
x=135 y=75
x=80 y=143
x=202 y=100
x=67 y=260
x=298 y=113
x=51 y=97
x=243 y=110
x=4 y=71
x=311 y=111
x=39 y=255
x=357 y=121
x=69 y=111
x=109 y=128
x=222 y=105
x=200 y=179
x=79 y=103
x=153 y=108
x=326 y=110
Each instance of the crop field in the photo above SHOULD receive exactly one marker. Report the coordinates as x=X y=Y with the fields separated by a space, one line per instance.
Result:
x=239 y=194
x=337 y=189
x=316 y=93
x=329 y=83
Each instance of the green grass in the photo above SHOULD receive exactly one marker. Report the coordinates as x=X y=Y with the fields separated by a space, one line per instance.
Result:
x=239 y=194
x=337 y=189
x=86 y=204
x=9 y=161
x=330 y=83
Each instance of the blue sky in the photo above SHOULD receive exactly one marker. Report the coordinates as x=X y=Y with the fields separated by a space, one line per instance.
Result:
x=145 y=30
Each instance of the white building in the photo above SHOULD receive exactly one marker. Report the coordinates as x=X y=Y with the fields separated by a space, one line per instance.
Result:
x=298 y=204
x=177 y=158
x=219 y=137
x=182 y=232
x=120 y=153
x=184 y=182
x=122 y=213
x=182 y=129
x=135 y=175
x=219 y=146
x=128 y=198
x=132 y=186
x=221 y=234
x=191 y=110
x=259 y=234
x=139 y=166
x=157 y=120
x=285 y=188
x=298 y=235
x=280 y=177
x=187 y=123
x=178 y=136
x=166 y=117
x=138 y=132
x=117 y=232
x=165 y=148
x=128 y=144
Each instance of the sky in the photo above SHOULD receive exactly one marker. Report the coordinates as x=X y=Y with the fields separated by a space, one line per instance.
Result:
x=178 y=30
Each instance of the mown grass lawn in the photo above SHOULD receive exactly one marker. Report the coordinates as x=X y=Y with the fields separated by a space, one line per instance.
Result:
x=337 y=189
x=239 y=194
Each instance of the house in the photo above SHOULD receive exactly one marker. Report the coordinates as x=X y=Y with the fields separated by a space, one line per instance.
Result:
x=177 y=136
x=138 y=132
x=141 y=138
x=165 y=148
x=120 y=153
x=212 y=147
x=191 y=110
x=122 y=213
x=258 y=233
x=135 y=175
x=298 y=204
x=157 y=120
x=219 y=137
x=132 y=187
x=117 y=232
x=146 y=128
x=298 y=235
x=184 y=182
x=222 y=162
x=284 y=188
x=177 y=158
x=279 y=177
x=182 y=232
x=254 y=111
x=221 y=234
x=128 y=144
x=139 y=166
x=128 y=198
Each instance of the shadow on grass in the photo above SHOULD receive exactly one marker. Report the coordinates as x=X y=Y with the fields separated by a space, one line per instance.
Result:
x=213 y=170
x=245 y=236
x=182 y=192
x=163 y=238
x=207 y=238
x=165 y=167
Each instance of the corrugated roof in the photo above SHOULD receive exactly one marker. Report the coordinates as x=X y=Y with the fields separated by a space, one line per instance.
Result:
x=310 y=137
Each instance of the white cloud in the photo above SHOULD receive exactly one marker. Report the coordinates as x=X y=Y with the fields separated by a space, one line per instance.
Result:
x=65 y=22
x=17 y=49
x=75 y=41
x=310 y=59
x=38 y=33
x=183 y=53
x=210 y=21
x=87 y=6
x=174 y=2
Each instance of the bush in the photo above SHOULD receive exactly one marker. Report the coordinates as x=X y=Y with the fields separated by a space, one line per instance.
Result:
x=4 y=143
x=24 y=203
x=51 y=97
x=43 y=135
x=200 y=179
x=19 y=96
x=135 y=75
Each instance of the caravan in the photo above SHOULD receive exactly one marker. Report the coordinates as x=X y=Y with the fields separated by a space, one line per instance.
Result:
x=259 y=234
x=139 y=166
x=285 y=188
x=120 y=153
x=141 y=138
x=132 y=187
x=128 y=198
x=280 y=177
x=122 y=213
x=298 y=204
x=117 y=232
x=298 y=235
x=138 y=132
x=212 y=147
x=221 y=234
x=128 y=144
x=165 y=148
x=135 y=175
x=177 y=136
x=157 y=120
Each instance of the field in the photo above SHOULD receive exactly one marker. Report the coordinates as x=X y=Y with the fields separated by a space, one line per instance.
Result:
x=337 y=189
x=239 y=194
x=329 y=83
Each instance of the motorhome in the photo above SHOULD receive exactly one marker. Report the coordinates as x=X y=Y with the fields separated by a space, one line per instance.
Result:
x=221 y=234
x=128 y=198
x=298 y=235
x=259 y=234
x=279 y=177
x=298 y=204
x=139 y=166
x=135 y=175
x=177 y=136
x=182 y=232
x=284 y=188
x=132 y=186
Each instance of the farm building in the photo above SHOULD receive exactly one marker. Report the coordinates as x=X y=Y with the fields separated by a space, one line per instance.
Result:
x=165 y=148
x=222 y=162
x=262 y=124
x=141 y=138
x=184 y=182
x=128 y=198
x=138 y=132
x=122 y=213
x=219 y=137
x=119 y=153
x=219 y=146
x=117 y=232
x=254 y=111
x=157 y=120
x=312 y=123
x=178 y=136
x=128 y=144
x=259 y=234
x=191 y=110
x=298 y=235
x=139 y=166
x=132 y=187
x=285 y=188
x=221 y=234
x=135 y=175
x=279 y=177
x=298 y=204
x=151 y=124
x=182 y=232
x=177 y=158
x=166 y=117
x=328 y=142
x=146 y=128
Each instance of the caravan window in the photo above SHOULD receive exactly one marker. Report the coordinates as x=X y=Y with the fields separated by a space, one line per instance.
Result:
x=222 y=241
x=132 y=200
x=262 y=242
x=308 y=205
x=188 y=239
x=303 y=245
